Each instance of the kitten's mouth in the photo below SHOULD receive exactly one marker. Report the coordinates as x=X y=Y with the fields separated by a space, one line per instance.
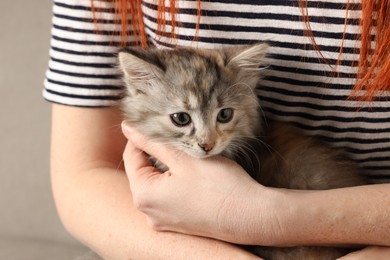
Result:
x=204 y=155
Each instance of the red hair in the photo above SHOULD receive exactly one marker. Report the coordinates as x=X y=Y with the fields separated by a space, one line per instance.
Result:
x=374 y=60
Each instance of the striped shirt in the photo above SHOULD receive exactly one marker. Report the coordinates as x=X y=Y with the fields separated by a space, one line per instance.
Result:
x=301 y=86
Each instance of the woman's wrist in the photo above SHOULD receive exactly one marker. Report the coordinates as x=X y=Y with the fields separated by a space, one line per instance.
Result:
x=248 y=216
x=267 y=223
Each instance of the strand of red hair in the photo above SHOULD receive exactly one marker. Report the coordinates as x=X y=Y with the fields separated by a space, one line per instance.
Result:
x=374 y=62
x=373 y=77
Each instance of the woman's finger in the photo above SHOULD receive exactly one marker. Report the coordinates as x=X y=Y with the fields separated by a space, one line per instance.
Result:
x=164 y=154
x=137 y=164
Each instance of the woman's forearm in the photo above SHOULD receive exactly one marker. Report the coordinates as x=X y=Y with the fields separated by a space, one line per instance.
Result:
x=356 y=215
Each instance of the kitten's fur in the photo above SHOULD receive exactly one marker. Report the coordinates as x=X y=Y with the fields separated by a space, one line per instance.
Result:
x=161 y=84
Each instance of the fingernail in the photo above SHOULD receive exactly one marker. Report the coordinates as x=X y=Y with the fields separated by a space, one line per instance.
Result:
x=126 y=128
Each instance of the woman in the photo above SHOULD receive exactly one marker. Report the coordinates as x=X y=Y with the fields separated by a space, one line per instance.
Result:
x=313 y=82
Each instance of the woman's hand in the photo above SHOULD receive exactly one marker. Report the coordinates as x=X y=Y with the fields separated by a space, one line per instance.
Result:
x=202 y=197
x=371 y=252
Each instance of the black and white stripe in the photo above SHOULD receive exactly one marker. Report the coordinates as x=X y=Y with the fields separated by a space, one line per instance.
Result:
x=82 y=68
x=300 y=86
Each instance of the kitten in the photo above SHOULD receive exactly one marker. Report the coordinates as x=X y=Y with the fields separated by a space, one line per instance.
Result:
x=203 y=102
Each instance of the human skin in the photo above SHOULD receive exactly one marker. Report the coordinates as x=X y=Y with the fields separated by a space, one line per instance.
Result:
x=93 y=196
x=225 y=204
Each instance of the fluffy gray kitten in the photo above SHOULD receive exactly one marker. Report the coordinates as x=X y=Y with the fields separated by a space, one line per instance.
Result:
x=203 y=102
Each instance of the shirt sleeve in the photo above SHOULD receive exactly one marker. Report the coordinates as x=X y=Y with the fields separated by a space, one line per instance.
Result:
x=82 y=68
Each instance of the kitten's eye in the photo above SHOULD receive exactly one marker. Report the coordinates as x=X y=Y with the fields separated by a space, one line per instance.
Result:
x=225 y=115
x=181 y=119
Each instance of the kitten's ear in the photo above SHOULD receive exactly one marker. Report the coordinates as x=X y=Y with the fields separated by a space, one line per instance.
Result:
x=141 y=68
x=250 y=58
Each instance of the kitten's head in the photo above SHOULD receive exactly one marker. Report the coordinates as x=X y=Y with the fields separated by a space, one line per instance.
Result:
x=199 y=101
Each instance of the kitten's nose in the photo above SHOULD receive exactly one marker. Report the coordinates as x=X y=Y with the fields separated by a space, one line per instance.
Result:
x=207 y=147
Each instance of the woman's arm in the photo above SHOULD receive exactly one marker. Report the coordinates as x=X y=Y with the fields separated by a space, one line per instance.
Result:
x=93 y=197
x=233 y=208
x=355 y=215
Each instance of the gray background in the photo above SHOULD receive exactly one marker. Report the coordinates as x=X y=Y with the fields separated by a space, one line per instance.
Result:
x=29 y=226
